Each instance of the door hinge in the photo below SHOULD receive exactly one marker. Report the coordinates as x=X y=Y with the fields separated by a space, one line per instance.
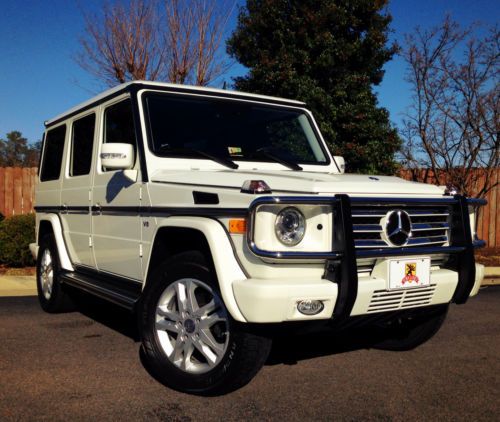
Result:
x=140 y=250
x=90 y=241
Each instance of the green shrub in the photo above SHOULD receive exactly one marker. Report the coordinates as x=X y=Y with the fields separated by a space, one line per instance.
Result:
x=16 y=233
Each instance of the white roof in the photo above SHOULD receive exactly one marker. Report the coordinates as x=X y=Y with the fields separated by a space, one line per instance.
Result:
x=150 y=84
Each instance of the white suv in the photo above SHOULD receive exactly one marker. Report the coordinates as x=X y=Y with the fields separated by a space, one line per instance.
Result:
x=219 y=217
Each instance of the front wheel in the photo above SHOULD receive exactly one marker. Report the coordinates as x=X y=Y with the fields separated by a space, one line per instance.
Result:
x=189 y=340
x=409 y=332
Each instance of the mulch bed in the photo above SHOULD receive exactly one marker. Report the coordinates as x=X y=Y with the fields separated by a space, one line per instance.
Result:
x=488 y=256
x=4 y=270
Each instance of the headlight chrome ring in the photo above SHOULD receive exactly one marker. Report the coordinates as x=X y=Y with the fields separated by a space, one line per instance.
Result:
x=290 y=226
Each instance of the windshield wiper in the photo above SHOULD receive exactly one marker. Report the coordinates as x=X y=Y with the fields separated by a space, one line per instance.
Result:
x=221 y=160
x=291 y=165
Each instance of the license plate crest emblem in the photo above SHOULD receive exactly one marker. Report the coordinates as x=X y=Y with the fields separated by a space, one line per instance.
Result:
x=410 y=274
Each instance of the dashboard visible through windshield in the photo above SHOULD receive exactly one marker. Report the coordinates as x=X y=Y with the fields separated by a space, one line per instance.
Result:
x=227 y=131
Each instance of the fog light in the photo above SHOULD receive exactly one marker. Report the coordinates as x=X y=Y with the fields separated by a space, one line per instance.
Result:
x=310 y=307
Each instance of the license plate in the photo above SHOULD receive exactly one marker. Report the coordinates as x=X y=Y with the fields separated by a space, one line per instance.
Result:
x=409 y=273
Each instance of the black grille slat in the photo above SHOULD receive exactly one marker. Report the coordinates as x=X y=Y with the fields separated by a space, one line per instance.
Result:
x=363 y=228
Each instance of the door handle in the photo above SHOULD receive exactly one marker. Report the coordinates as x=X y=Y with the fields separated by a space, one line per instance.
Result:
x=97 y=208
x=64 y=208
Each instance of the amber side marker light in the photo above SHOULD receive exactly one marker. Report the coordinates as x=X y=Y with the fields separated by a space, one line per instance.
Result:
x=238 y=226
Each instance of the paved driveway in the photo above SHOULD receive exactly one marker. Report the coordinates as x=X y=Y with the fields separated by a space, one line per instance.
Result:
x=86 y=366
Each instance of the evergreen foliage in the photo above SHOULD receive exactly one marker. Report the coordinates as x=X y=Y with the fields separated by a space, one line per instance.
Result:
x=16 y=233
x=330 y=54
x=16 y=152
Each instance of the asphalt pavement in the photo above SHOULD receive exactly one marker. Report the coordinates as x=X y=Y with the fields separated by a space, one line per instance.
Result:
x=86 y=366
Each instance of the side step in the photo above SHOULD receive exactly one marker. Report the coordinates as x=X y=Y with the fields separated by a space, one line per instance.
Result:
x=122 y=292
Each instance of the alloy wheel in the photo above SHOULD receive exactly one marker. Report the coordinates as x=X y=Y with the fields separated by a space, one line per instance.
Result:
x=192 y=325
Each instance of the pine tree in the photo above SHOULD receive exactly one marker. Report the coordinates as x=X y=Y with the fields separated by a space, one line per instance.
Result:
x=330 y=54
x=16 y=152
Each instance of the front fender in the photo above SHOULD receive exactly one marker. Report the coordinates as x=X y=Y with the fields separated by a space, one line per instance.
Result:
x=226 y=265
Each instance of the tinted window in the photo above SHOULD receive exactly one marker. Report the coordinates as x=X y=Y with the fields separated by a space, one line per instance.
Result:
x=82 y=143
x=53 y=153
x=119 y=124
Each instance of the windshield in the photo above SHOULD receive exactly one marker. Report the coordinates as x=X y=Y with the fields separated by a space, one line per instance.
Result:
x=231 y=130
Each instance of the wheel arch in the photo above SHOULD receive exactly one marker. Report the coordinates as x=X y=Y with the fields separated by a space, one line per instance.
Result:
x=50 y=224
x=180 y=234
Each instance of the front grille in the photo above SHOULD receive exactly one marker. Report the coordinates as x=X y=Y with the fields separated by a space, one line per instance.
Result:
x=430 y=225
x=383 y=300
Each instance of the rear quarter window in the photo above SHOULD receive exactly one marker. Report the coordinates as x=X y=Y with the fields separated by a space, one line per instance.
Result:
x=82 y=145
x=53 y=154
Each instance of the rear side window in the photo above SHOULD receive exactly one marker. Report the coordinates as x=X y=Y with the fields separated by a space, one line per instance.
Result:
x=53 y=153
x=82 y=145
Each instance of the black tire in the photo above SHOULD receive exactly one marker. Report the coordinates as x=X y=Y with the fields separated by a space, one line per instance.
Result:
x=52 y=297
x=407 y=333
x=244 y=353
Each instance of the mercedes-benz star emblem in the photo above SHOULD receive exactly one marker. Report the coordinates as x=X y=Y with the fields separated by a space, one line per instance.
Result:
x=397 y=228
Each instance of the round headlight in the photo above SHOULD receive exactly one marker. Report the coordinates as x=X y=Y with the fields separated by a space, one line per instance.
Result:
x=290 y=226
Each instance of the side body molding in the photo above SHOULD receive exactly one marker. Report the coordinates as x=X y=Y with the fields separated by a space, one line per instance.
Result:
x=226 y=266
x=64 y=260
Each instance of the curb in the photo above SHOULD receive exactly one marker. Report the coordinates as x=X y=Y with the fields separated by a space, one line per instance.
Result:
x=15 y=285
x=491 y=276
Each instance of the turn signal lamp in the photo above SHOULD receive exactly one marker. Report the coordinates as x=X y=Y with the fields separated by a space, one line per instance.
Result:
x=451 y=190
x=238 y=226
x=255 y=186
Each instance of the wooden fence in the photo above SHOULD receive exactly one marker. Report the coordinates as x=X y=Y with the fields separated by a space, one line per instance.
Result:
x=17 y=190
x=17 y=193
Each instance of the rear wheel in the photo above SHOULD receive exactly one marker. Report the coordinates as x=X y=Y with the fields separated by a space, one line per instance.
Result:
x=409 y=332
x=51 y=295
x=189 y=340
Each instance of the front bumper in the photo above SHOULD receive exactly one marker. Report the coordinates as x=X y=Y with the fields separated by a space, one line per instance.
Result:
x=347 y=294
x=275 y=300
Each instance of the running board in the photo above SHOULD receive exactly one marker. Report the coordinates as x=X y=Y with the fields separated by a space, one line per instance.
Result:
x=124 y=293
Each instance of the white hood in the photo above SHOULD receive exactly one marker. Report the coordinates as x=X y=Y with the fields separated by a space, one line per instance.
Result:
x=300 y=182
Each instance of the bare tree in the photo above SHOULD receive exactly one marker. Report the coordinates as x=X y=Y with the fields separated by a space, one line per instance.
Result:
x=453 y=125
x=209 y=64
x=174 y=40
x=123 y=44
